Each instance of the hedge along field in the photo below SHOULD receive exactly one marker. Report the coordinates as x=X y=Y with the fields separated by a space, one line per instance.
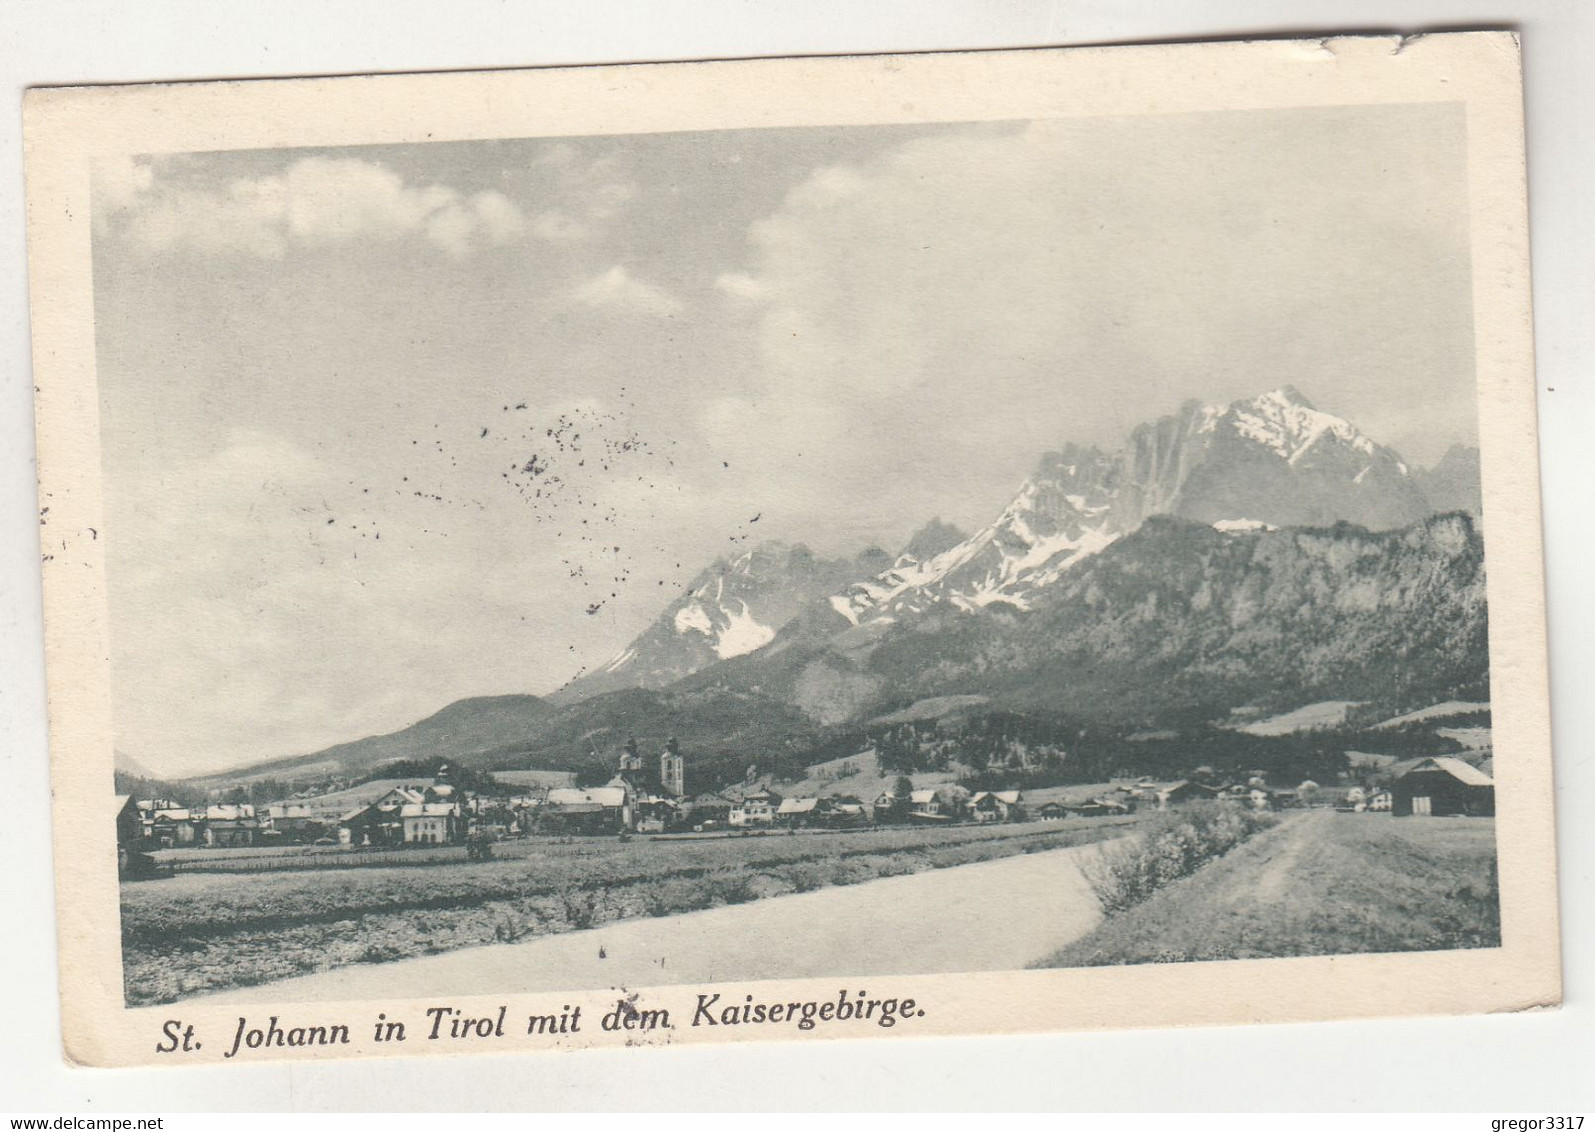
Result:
x=1320 y=883
x=1171 y=846
x=204 y=932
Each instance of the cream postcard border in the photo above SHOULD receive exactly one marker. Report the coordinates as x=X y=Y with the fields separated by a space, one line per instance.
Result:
x=67 y=128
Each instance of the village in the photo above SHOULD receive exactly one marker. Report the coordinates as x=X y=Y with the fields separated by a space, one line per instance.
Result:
x=262 y=880
x=650 y=796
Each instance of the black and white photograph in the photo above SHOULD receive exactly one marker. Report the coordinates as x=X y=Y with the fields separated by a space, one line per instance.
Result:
x=843 y=552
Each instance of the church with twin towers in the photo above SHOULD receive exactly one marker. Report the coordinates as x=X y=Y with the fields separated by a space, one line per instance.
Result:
x=672 y=777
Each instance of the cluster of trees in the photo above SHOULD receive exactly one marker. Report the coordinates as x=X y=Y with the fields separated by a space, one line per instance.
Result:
x=711 y=769
x=913 y=746
x=1413 y=740
x=140 y=786
x=258 y=792
x=1004 y=749
x=263 y=791
x=465 y=778
x=1002 y=742
x=1229 y=755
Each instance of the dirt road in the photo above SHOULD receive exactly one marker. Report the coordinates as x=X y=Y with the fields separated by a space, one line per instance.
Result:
x=996 y=915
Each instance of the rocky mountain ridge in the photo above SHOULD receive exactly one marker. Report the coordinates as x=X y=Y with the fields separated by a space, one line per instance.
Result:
x=1174 y=624
x=1255 y=464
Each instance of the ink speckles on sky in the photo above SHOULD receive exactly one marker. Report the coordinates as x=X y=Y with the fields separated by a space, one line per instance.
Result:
x=386 y=427
x=566 y=482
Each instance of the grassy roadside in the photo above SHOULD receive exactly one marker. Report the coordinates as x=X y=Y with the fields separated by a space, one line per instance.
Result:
x=1321 y=883
x=197 y=933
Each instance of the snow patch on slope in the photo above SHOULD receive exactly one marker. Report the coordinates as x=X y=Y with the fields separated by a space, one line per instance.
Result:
x=693 y=619
x=1239 y=526
x=742 y=634
x=621 y=661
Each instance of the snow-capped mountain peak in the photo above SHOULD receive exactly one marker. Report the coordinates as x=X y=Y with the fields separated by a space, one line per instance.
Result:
x=1059 y=514
x=734 y=607
x=1273 y=460
x=1286 y=423
x=729 y=624
x=1255 y=464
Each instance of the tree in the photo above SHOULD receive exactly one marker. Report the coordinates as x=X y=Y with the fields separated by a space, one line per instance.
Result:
x=902 y=798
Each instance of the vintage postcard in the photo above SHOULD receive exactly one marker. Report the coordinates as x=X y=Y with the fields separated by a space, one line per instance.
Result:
x=791 y=549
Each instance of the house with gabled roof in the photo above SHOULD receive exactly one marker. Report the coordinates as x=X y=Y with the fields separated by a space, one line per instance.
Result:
x=231 y=825
x=797 y=812
x=937 y=804
x=593 y=810
x=1442 y=786
x=432 y=823
x=1052 y=811
x=755 y=806
x=1103 y=805
x=708 y=809
x=129 y=827
x=174 y=826
x=842 y=813
x=132 y=857
x=997 y=806
x=657 y=813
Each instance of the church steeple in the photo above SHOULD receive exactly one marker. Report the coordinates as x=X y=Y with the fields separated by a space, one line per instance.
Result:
x=673 y=769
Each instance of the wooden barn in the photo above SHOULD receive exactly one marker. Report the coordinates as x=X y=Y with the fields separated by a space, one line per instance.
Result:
x=1440 y=787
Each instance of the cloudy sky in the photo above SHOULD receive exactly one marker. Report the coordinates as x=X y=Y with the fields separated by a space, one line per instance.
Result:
x=389 y=426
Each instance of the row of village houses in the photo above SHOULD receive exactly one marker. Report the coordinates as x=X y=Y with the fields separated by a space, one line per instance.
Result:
x=438 y=814
x=1438 y=786
x=421 y=815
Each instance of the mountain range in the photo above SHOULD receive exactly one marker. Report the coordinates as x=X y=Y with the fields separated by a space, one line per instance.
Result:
x=1272 y=461
x=1261 y=552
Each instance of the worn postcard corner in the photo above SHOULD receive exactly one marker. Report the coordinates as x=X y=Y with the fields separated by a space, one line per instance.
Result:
x=790 y=549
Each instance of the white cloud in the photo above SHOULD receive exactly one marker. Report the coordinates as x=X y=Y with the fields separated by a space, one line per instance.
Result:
x=827 y=186
x=968 y=299
x=456 y=227
x=499 y=217
x=740 y=285
x=315 y=201
x=618 y=289
x=450 y=229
